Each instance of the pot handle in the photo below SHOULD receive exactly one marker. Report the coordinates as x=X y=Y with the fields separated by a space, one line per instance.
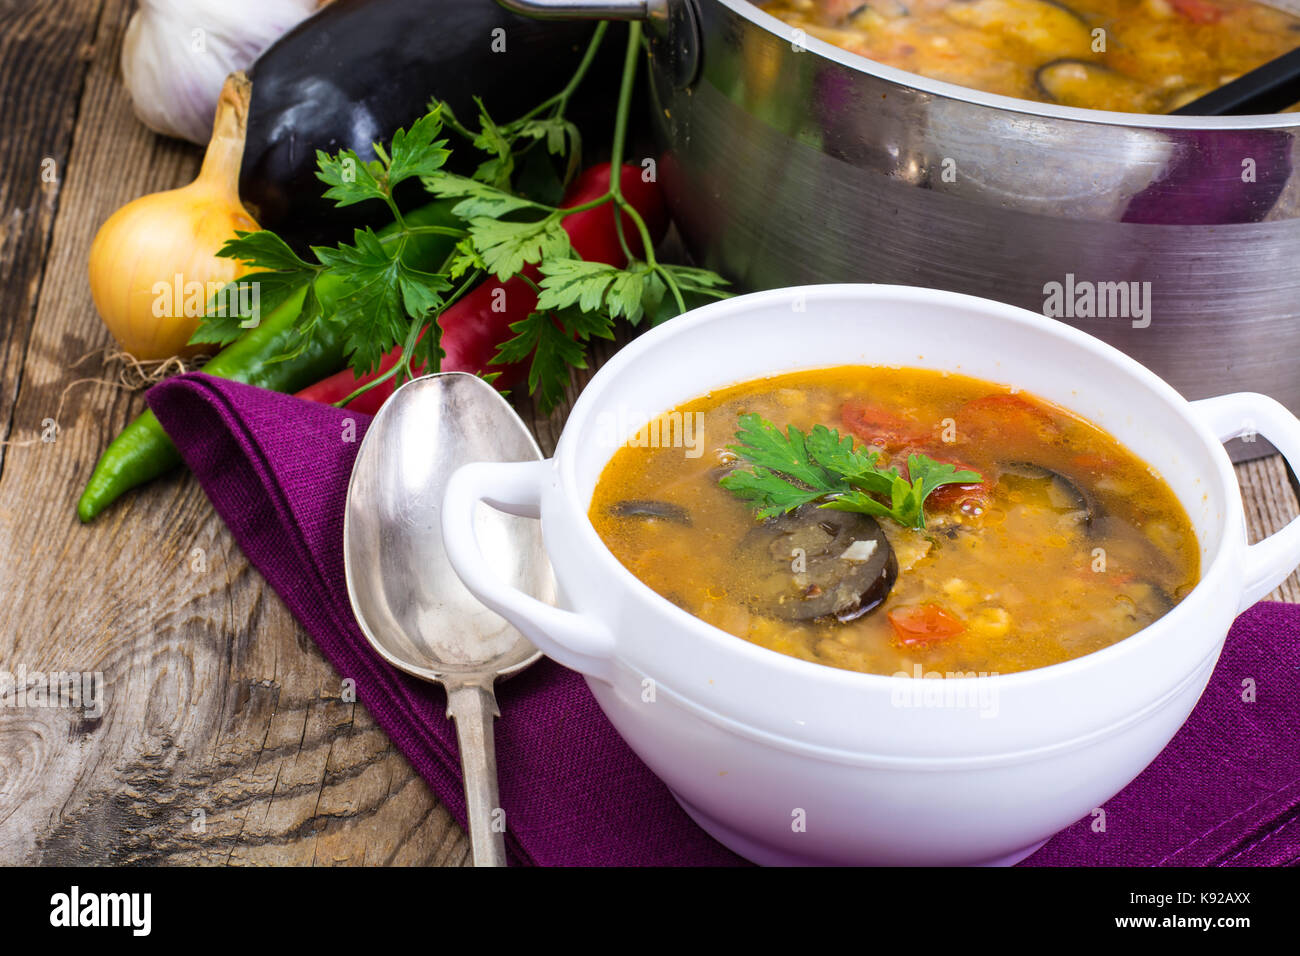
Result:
x=673 y=26
x=586 y=9
x=577 y=642
x=1246 y=414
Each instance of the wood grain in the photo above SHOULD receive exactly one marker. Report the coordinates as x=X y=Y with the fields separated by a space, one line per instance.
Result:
x=1268 y=492
x=45 y=46
x=224 y=738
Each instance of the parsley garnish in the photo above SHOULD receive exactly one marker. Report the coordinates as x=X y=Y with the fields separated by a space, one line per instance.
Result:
x=792 y=469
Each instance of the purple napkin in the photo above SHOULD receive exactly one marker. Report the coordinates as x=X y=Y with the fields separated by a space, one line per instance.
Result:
x=276 y=468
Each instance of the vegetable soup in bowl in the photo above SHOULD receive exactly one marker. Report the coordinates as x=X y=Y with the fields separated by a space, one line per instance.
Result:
x=1039 y=537
x=937 y=572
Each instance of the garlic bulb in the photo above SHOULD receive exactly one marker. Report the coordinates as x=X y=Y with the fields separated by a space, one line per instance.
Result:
x=177 y=53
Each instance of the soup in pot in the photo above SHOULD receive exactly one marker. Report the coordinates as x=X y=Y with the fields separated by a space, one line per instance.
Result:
x=888 y=520
x=1136 y=56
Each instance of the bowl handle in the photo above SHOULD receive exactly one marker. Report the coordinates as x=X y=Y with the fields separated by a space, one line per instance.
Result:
x=577 y=642
x=1247 y=414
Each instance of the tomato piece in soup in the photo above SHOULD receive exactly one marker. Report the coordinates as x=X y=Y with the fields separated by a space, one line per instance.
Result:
x=1198 y=11
x=880 y=427
x=921 y=623
x=837 y=11
x=969 y=499
x=1006 y=418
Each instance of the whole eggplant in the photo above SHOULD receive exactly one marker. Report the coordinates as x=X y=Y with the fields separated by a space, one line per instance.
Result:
x=358 y=69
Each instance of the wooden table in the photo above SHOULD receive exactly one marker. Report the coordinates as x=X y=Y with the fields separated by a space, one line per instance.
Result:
x=224 y=739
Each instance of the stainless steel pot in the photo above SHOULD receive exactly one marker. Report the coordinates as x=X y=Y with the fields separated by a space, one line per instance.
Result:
x=789 y=161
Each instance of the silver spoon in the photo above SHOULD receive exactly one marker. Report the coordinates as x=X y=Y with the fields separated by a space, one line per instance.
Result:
x=409 y=602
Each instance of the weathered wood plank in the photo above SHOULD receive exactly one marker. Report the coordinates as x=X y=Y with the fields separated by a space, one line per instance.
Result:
x=224 y=739
x=1268 y=491
x=44 y=54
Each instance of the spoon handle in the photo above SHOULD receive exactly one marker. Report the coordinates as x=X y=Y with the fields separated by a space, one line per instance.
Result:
x=474 y=708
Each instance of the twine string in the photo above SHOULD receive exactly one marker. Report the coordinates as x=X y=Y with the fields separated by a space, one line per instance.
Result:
x=127 y=372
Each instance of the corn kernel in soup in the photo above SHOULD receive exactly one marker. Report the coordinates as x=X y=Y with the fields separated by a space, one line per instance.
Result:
x=1066 y=543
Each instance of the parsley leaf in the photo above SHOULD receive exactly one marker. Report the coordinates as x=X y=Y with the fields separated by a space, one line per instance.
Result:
x=265 y=250
x=557 y=131
x=464 y=259
x=593 y=286
x=697 y=287
x=557 y=342
x=567 y=282
x=413 y=152
x=351 y=179
x=492 y=140
x=763 y=444
x=381 y=294
x=562 y=138
x=792 y=469
x=278 y=276
x=692 y=279
x=481 y=199
x=417 y=151
x=506 y=247
x=769 y=491
x=552 y=351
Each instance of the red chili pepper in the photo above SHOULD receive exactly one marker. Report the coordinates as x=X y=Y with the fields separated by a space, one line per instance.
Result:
x=479 y=322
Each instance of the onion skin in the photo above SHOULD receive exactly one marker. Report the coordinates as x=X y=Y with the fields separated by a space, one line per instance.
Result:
x=146 y=259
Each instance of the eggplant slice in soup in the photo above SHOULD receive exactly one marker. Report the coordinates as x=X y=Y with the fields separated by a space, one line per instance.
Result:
x=816 y=563
x=1042 y=24
x=1079 y=83
x=1145 y=601
x=652 y=510
x=1060 y=493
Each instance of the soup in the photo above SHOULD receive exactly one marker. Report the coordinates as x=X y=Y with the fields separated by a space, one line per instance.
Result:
x=1137 y=56
x=788 y=517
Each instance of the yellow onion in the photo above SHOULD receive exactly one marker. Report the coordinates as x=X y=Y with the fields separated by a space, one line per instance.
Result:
x=154 y=264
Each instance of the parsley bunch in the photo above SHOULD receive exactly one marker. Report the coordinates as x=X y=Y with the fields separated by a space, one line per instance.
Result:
x=792 y=469
x=384 y=303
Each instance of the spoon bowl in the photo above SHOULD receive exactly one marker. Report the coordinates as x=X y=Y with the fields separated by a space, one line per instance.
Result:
x=409 y=603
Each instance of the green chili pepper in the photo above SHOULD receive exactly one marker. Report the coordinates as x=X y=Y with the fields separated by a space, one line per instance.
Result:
x=143 y=451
